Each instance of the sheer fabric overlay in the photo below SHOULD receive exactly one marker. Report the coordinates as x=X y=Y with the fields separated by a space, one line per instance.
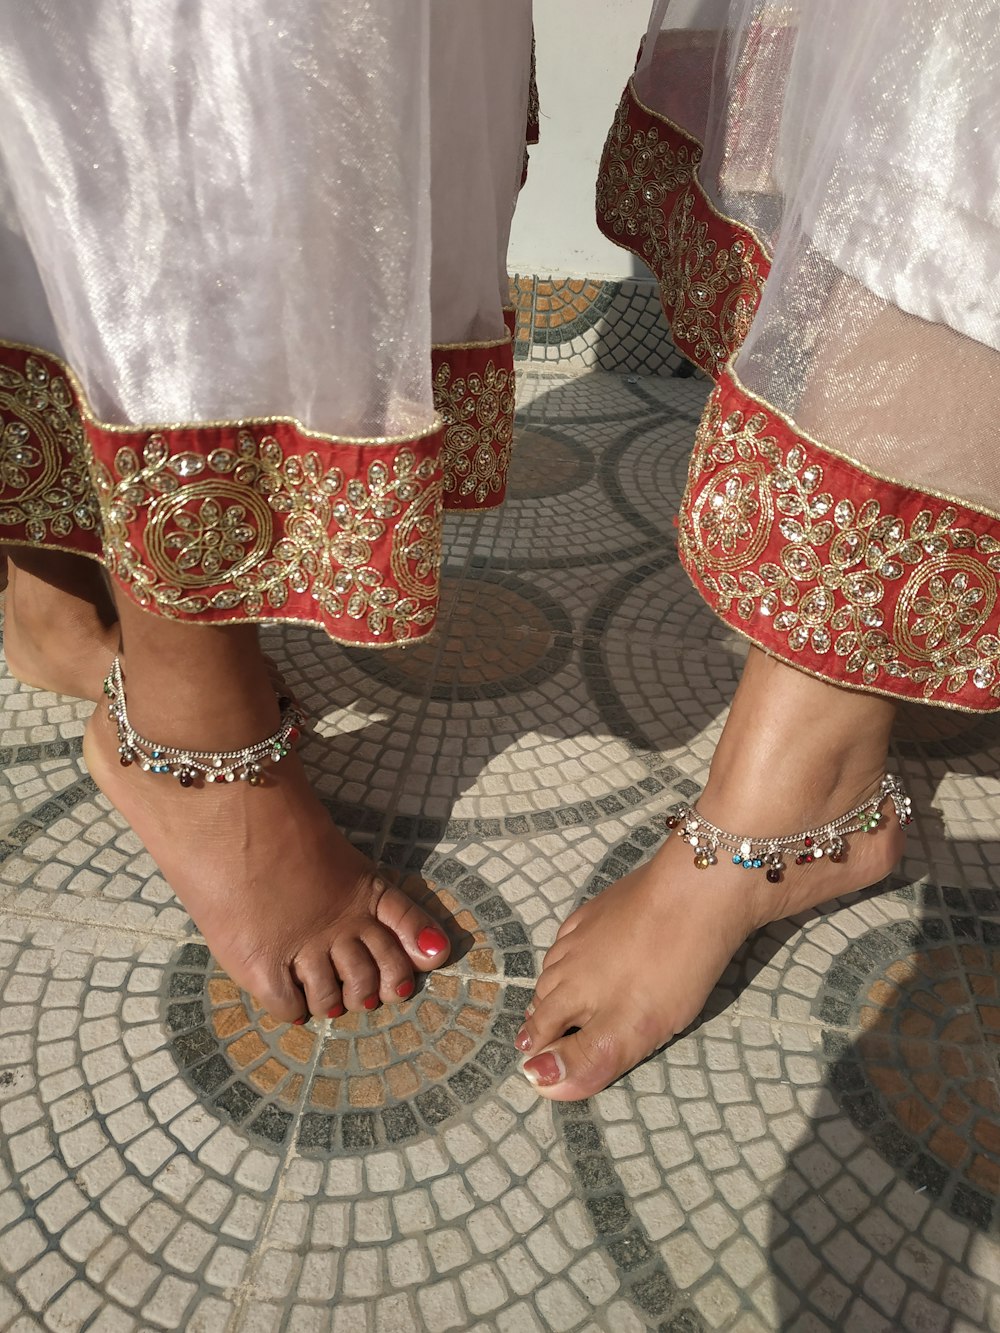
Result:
x=221 y=218
x=817 y=189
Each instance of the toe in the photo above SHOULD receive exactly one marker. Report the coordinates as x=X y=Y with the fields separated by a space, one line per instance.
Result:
x=276 y=991
x=550 y=1019
x=319 y=980
x=570 y=924
x=582 y=1064
x=359 y=976
x=395 y=972
x=423 y=938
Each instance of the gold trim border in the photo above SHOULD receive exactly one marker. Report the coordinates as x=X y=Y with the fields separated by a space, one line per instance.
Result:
x=462 y=347
x=696 y=172
x=790 y=422
x=304 y=622
x=796 y=665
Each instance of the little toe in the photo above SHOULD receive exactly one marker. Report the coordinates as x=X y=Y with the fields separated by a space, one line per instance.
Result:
x=581 y=1064
x=423 y=938
x=319 y=980
x=574 y=920
x=277 y=992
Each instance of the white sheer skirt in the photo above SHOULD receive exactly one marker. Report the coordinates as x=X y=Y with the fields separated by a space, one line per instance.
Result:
x=818 y=189
x=255 y=212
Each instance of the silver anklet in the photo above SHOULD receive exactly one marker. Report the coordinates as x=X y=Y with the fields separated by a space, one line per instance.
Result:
x=188 y=765
x=769 y=854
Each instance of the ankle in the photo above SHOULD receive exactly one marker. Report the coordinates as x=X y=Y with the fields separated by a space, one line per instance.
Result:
x=212 y=713
x=796 y=748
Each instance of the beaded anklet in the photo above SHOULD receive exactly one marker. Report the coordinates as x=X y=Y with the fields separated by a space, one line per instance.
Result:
x=188 y=765
x=768 y=854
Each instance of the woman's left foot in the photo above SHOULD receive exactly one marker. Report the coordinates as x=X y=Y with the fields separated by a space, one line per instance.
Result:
x=634 y=967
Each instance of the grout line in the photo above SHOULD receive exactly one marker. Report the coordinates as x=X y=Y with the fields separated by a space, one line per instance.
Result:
x=258 y=1250
x=9 y=908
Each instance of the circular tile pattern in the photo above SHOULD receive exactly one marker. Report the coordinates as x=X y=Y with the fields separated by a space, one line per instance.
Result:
x=502 y=637
x=659 y=696
x=546 y=464
x=918 y=1078
x=368 y=1078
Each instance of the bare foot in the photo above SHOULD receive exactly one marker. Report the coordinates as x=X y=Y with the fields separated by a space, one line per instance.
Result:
x=634 y=967
x=60 y=631
x=292 y=911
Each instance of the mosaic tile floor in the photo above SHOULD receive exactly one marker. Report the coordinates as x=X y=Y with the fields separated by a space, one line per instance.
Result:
x=822 y=1150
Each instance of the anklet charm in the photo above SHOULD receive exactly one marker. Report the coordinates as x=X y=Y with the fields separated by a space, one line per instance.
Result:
x=768 y=854
x=188 y=765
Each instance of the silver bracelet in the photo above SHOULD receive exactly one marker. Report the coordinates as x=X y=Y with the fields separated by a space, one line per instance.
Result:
x=769 y=854
x=188 y=765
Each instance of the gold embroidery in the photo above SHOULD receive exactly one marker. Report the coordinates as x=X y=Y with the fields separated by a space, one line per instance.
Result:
x=43 y=458
x=896 y=599
x=224 y=529
x=478 y=409
x=710 y=291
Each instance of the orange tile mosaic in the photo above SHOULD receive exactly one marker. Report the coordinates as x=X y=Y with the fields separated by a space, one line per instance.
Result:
x=916 y=1075
x=369 y=1076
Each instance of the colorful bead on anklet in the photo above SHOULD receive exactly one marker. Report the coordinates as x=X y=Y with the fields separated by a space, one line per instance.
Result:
x=768 y=854
x=189 y=765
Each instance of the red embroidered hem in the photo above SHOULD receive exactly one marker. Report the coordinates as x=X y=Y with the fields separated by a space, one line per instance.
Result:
x=225 y=522
x=474 y=391
x=852 y=577
x=711 y=270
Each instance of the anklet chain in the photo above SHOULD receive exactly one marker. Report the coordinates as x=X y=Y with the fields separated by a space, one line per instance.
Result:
x=187 y=765
x=769 y=854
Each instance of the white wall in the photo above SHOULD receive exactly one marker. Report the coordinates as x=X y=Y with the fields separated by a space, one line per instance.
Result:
x=585 y=51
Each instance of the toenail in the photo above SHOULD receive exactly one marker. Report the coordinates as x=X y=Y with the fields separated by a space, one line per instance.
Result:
x=404 y=990
x=432 y=941
x=523 y=1040
x=372 y=1001
x=298 y=1022
x=338 y=1011
x=544 y=1070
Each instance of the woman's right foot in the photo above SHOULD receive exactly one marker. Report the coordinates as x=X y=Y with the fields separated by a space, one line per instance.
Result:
x=634 y=966
x=60 y=625
x=290 y=909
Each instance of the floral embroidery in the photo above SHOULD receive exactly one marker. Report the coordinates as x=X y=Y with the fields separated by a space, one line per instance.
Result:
x=258 y=526
x=474 y=392
x=45 y=492
x=851 y=577
x=898 y=593
x=231 y=522
x=711 y=271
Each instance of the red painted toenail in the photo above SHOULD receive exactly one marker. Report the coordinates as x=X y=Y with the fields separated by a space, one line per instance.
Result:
x=545 y=1069
x=371 y=1002
x=298 y=1022
x=432 y=941
x=404 y=990
x=338 y=1011
x=523 y=1041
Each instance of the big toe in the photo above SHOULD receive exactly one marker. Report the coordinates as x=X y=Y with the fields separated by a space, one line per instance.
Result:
x=424 y=939
x=583 y=1063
